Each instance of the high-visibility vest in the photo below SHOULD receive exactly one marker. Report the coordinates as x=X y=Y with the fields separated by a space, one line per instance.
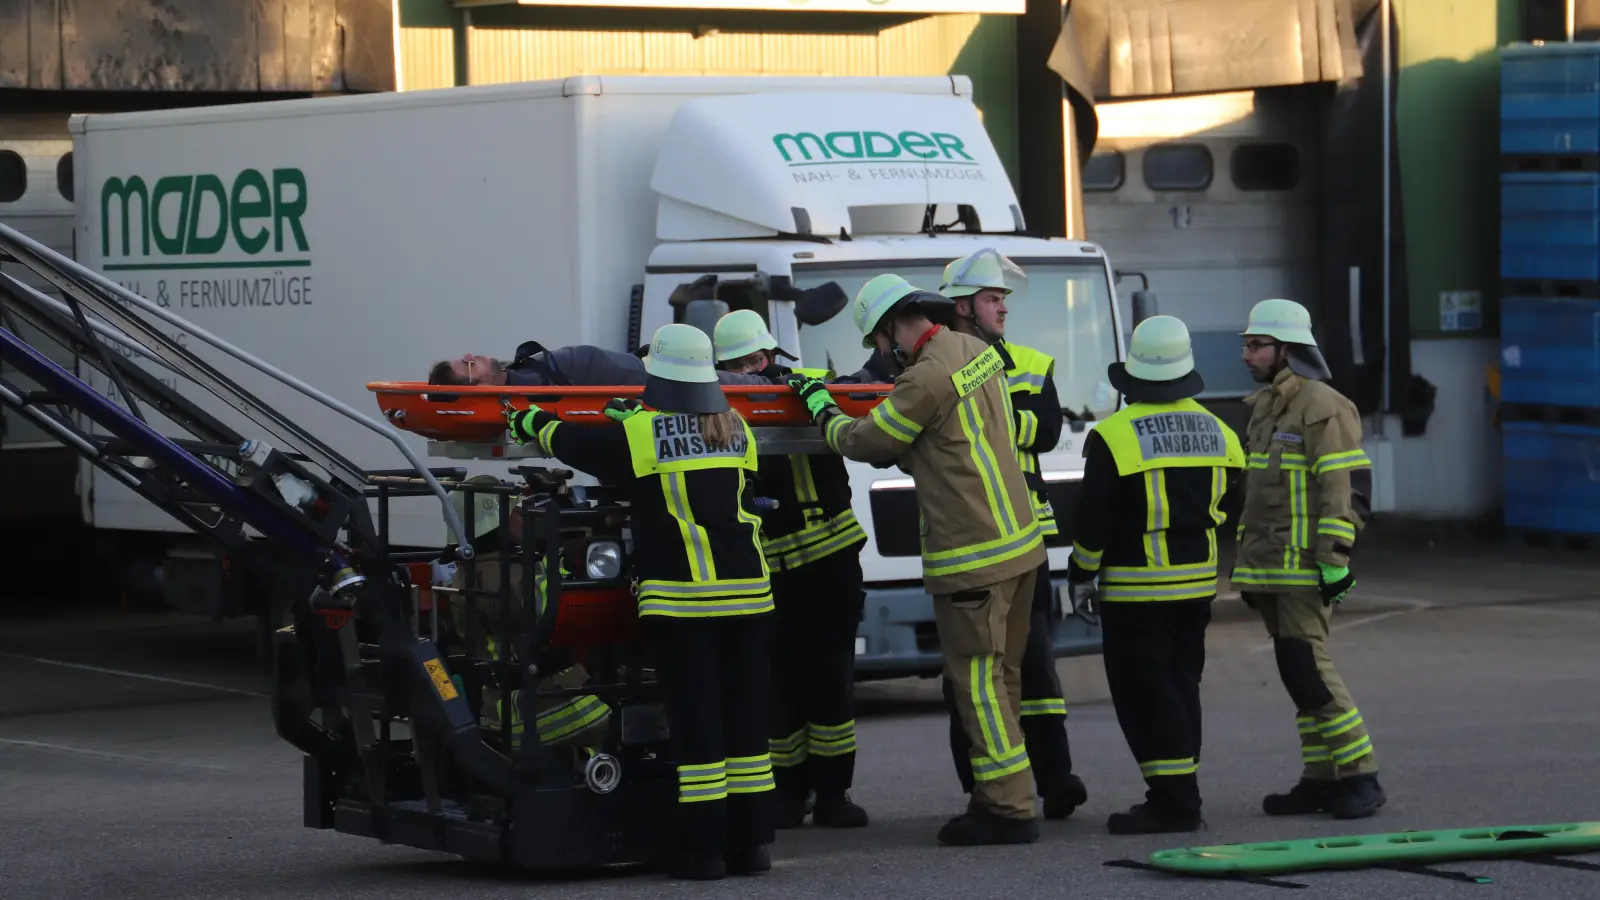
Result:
x=1029 y=369
x=1167 y=550
x=697 y=549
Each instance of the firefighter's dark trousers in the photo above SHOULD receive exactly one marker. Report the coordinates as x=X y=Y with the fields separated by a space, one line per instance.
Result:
x=813 y=736
x=714 y=676
x=1333 y=736
x=1044 y=709
x=1154 y=655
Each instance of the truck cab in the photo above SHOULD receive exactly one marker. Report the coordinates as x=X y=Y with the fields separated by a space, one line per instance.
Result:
x=834 y=216
x=1067 y=310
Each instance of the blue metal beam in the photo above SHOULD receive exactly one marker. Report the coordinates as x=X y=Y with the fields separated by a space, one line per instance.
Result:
x=196 y=473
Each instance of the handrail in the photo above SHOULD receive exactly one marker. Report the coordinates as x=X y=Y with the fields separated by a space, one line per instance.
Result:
x=11 y=239
x=100 y=328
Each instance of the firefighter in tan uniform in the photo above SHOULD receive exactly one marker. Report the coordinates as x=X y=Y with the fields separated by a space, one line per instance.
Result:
x=1306 y=486
x=979 y=285
x=948 y=423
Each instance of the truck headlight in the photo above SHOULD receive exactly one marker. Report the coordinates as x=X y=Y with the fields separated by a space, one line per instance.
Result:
x=603 y=560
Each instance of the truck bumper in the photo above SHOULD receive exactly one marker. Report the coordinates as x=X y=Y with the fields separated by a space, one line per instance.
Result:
x=897 y=639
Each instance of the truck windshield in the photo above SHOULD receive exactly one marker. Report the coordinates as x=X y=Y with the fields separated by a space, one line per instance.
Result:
x=1065 y=311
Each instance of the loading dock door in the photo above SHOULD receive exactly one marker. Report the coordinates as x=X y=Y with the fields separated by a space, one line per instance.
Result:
x=1214 y=199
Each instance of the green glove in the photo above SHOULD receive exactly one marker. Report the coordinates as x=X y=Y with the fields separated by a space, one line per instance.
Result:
x=620 y=409
x=1335 y=583
x=520 y=423
x=814 y=392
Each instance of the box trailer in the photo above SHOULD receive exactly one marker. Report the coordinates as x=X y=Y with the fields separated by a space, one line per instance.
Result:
x=358 y=239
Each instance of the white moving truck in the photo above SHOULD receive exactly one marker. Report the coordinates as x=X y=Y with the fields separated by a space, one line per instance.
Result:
x=360 y=239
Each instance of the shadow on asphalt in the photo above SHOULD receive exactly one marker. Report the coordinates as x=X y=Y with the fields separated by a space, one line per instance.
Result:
x=458 y=871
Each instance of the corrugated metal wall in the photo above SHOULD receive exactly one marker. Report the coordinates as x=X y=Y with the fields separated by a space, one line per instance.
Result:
x=529 y=44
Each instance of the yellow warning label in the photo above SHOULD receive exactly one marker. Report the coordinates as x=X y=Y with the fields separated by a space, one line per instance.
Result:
x=972 y=375
x=441 y=679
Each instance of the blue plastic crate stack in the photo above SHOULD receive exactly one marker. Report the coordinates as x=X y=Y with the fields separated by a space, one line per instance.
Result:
x=1550 y=290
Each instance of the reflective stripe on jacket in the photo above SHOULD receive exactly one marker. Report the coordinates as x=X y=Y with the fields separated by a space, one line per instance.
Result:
x=697 y=550
x=948 y=423
x=1154 y=481
x=1305 y=443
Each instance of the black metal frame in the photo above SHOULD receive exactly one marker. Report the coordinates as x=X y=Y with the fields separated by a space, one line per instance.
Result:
x=452 y=785
x=353 y=664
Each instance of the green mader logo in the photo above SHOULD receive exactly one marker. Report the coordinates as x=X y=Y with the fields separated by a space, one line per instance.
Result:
x=837 y=148
x=252 y=215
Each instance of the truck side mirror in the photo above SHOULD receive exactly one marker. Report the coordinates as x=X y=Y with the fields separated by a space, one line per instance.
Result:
x=817 y=305
x=1144 y=306
x=703 y=314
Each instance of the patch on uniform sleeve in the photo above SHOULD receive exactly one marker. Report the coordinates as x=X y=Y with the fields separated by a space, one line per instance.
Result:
x=1288 y=438
x=971 y=376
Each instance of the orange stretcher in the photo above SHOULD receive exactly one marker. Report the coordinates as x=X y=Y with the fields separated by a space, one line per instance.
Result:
x=476 y=413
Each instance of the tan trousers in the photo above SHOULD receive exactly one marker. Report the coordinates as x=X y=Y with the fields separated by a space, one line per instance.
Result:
x=1333 y=738
x=983 y=634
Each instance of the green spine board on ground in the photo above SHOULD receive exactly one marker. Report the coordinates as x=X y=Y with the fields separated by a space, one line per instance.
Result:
x=1361 y=851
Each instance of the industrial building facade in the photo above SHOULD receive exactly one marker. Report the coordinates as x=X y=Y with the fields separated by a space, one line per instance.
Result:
x=1237 y=145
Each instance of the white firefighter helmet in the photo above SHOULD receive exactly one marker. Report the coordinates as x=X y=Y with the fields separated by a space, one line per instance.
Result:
x=889 y=292
x=743 y=332
x=983 y=270
x=1281 y=320
x=1289 y=323
x=682 y=376
x=1160 y=350
x=1160 y=365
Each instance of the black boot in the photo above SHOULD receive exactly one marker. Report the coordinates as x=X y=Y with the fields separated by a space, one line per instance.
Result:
x=791 y=810
x=980 y=827
x=1147 y=819
x=837 y=811
x=749 y=860
x=1359 y=797
x=695 y=869
x=1062 y=796
x=1306 y=797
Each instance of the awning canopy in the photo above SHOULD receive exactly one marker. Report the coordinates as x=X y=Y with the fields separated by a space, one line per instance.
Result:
x=1139 y=48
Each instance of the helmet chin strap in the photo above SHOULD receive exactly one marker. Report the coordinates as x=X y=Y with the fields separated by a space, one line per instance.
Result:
x=982 y=333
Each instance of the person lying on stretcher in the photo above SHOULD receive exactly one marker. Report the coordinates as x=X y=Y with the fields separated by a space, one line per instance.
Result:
x=533 y=365
x=586 y=364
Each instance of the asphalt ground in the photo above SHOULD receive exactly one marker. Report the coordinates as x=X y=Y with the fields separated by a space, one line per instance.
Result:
x=138 y=760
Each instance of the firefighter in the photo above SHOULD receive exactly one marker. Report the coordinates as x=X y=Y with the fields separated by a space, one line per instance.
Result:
x=948 y=423
x=978 y=285
x=813 y=544
x=1305 y=501
x=703 y=586
x=1155 y=477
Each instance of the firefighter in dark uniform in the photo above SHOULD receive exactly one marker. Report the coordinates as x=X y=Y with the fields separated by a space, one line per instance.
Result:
x=1156 y=474
x=813 y=544
x=978 y=285
x=703 y=588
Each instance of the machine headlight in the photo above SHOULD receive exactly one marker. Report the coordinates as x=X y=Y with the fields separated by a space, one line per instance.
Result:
x=603 y=560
